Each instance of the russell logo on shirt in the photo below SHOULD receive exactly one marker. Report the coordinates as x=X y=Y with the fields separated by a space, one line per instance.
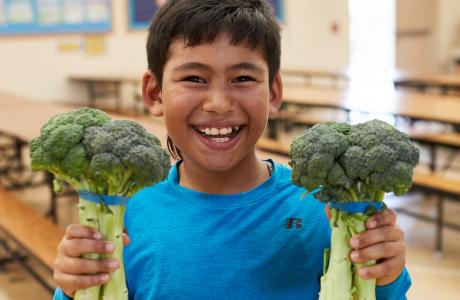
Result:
x=293 y=223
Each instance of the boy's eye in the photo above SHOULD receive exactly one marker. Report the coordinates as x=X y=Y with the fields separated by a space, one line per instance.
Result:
x=194 y=79
x=243 y=79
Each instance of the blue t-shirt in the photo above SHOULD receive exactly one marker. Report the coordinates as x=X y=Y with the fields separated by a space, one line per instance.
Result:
x=266 y=243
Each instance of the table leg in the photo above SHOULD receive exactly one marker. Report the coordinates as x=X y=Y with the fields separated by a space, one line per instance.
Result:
x=52 y=211
x=439 y=224
x=117 y=87
x=91 y=89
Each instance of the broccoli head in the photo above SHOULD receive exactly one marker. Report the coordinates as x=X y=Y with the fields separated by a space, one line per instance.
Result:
x=352 y=163
x=90 y=151
x=58 y=149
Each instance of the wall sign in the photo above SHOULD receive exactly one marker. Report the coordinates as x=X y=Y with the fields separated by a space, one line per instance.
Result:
x=54 y=16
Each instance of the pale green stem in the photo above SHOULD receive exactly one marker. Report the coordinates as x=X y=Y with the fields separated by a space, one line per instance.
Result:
x=337 y=282
x=379 y=195
x=365 y=288
x=112 y=230
x=353 y=195
x=88 y=213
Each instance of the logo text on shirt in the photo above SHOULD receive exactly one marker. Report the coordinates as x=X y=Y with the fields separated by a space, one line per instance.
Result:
x=293 y=223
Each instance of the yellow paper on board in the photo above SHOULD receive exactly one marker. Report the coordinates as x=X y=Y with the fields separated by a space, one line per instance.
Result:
x=95 y=45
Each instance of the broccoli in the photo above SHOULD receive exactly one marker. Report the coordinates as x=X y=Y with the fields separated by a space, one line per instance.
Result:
x=95 y=154
x=341 y=164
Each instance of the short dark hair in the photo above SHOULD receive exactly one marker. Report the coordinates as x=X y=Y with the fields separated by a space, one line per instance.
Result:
x=200 y=21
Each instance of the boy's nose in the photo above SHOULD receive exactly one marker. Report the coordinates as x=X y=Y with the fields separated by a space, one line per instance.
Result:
x=219 y=101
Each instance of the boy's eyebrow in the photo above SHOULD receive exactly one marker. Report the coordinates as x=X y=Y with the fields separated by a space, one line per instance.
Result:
x=246 y=66
x=191 y=66
x=199 y=66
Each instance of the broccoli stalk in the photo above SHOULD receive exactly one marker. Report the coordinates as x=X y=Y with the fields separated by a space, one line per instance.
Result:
x=351 y=164
x=338 y=277
x=112 y=229
x=93 y=153
x=88 y=216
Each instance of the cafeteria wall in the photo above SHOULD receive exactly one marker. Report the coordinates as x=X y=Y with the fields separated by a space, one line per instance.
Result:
x=32 y=66
x=315 y=35
x=449 y=31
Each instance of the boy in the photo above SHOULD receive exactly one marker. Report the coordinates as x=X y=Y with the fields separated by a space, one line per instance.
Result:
x=218 y=226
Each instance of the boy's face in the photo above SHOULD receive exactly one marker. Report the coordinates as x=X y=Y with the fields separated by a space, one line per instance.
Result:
x=216 y=100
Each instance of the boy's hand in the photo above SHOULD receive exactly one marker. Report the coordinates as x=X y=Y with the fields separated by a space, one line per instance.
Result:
x=383 y=241
x=71 y=272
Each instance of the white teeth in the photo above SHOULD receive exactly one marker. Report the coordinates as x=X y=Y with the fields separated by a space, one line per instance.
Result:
x=217 y=131
x=221 y=140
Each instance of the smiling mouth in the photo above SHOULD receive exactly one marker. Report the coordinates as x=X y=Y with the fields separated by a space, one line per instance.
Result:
x=219 y=135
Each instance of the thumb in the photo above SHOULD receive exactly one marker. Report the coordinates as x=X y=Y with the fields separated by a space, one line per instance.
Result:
x=126 y=239
x=327 y=210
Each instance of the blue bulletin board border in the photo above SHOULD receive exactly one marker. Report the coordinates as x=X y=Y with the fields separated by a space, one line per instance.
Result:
x=61 y=28
x=35 y=27
x=137 y=21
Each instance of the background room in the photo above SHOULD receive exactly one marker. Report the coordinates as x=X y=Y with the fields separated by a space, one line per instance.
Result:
x=342 y=60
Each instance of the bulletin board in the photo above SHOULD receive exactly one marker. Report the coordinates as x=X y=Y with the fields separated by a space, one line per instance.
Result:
x=54 y=16
x=141 y=12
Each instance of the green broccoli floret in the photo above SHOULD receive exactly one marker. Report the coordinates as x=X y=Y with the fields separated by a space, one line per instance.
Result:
x=58 y=149
x=375 y=157
x=125 y=157
x=351 y=164
x=315 y=158
x=91 y=152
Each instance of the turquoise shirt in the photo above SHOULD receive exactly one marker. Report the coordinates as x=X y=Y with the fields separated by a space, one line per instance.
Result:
x=266 y=243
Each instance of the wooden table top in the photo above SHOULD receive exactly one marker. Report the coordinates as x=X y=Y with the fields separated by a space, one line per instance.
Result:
x=108 y=77
x=430 y=107
x=38 y=235
x=337 y=73
x=9 y=101
x=22 y=119
x=449 y=79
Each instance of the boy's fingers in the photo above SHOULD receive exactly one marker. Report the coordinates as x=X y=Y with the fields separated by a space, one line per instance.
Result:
x=375 y=236
x=71 y=283
x=385 y=217
x=80 y=266
x=386 y=271
x=78 y=247
x=379 y=251
x=77 y=231
x=327 y=210
x=126 y=239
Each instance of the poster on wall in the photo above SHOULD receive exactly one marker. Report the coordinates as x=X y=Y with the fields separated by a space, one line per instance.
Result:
x=54 y=16
x=141 y=12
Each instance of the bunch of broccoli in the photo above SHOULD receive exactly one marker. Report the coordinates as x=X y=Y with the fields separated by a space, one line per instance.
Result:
x=95 y=154
x=344 y=163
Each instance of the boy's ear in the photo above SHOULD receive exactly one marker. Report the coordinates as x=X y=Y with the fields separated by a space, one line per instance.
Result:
x=276 y=95
x=152 y=94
